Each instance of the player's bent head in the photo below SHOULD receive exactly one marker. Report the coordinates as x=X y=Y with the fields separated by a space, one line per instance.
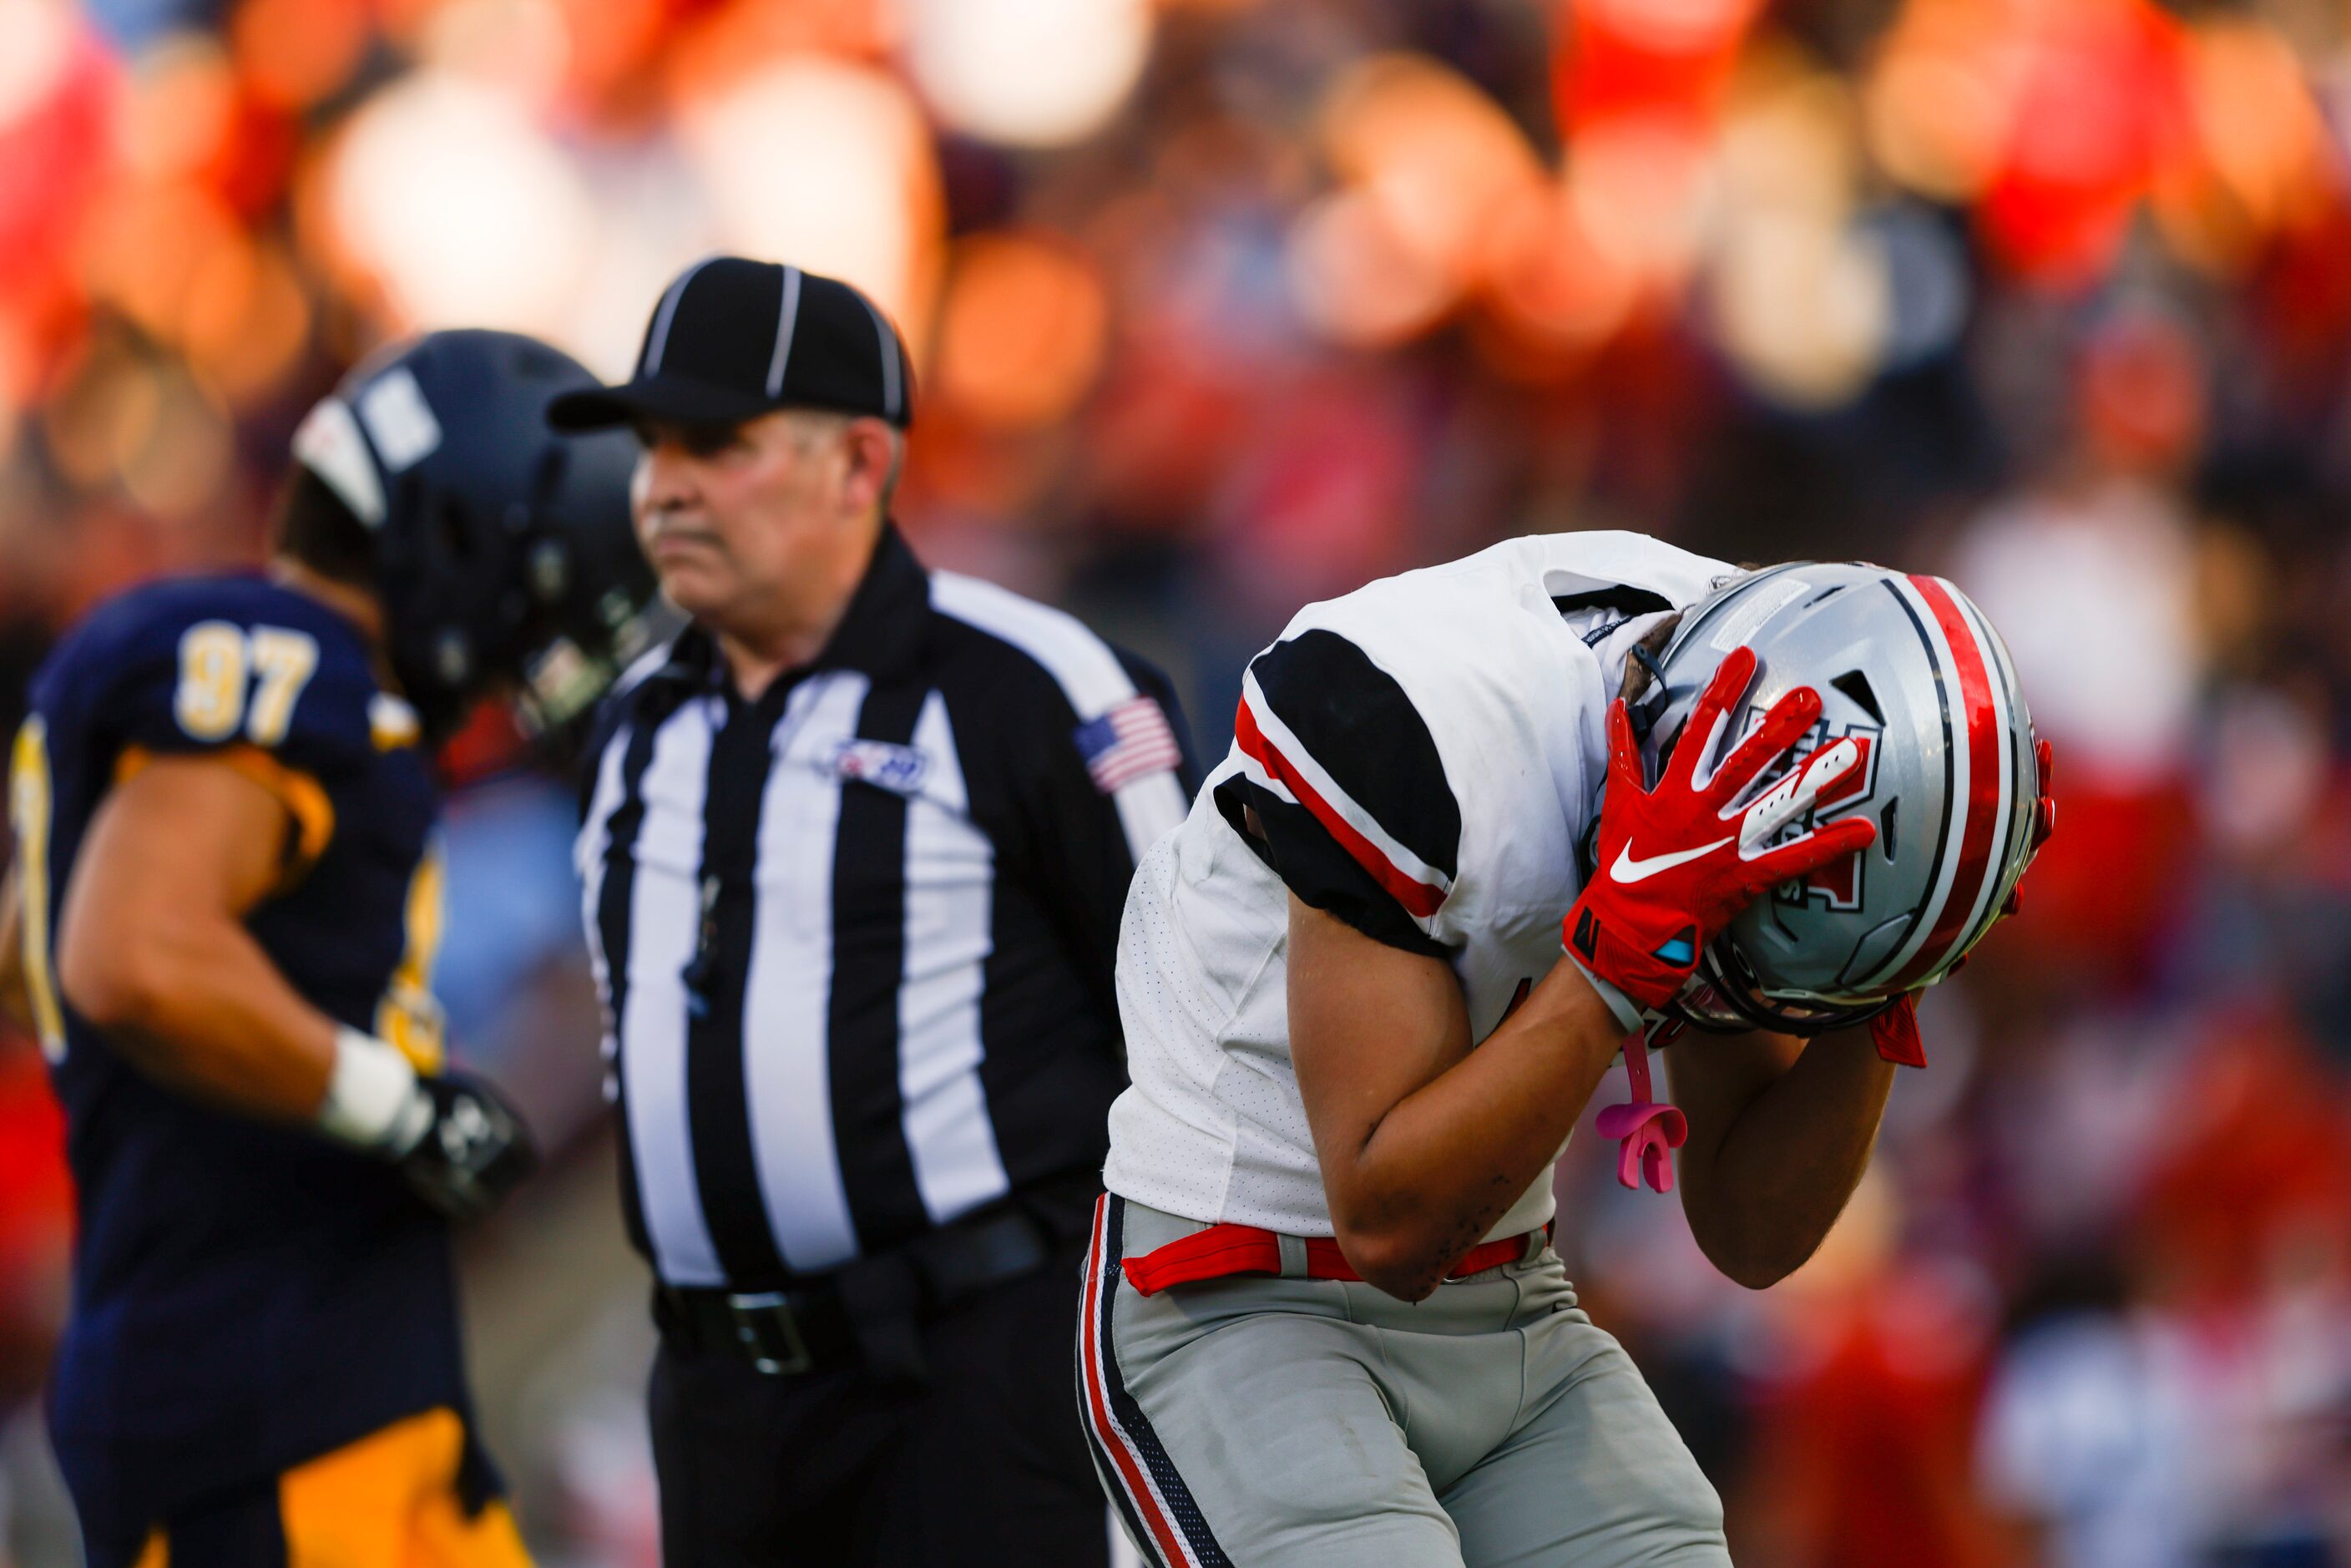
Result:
x=1922 y=731
x=499 y=553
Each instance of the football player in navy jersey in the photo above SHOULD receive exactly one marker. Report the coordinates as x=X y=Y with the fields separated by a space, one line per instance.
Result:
x=221 y=922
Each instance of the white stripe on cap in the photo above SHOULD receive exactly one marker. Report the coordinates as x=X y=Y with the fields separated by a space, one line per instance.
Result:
x=787 y=315
x=660 y=340
x=889 y=341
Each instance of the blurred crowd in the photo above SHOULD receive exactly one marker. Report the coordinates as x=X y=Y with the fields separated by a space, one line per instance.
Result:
x=1227 y=305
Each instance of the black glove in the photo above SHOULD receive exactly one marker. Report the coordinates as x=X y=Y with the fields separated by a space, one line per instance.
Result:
x=474 y=1152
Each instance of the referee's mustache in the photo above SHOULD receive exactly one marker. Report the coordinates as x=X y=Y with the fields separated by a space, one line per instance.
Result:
x=666 y=528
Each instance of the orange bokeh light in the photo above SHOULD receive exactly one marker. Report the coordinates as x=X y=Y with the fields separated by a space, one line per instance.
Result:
x=181 y=109
x=2056 y=119
x=1022 y=330
x=2260 y=161
x=245 y=320
x=1440 y=158
x=294 y=53
x=1940 y=94
x=144 y=245
x=1359 y=281
x=727 y=42
x=1548 y=283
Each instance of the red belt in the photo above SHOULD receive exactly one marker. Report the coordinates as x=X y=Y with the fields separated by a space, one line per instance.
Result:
x=1223 y=1249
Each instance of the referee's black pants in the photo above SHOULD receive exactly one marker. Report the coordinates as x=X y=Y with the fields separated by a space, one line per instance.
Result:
x=984 y=1463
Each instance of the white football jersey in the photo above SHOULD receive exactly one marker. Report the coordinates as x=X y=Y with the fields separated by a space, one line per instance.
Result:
x=1425 y=756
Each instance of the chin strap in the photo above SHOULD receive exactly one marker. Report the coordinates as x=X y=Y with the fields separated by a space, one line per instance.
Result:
x=1645 y=1131
x=1895 y=1032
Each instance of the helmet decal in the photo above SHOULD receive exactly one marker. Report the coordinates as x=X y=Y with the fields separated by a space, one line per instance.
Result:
x=328 y=442
x=1839 y=882
x=399 y=419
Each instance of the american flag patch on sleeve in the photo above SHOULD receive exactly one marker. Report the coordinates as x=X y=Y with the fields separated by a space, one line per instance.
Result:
x=1129 y=741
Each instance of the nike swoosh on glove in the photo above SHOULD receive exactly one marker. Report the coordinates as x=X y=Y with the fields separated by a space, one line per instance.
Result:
x=1677 y=862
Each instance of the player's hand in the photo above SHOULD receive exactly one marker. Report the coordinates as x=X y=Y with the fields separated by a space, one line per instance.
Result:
x=474 y=1152
x=1678 y=861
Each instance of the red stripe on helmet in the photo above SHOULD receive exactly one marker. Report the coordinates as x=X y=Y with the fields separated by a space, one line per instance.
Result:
x=1981 y=803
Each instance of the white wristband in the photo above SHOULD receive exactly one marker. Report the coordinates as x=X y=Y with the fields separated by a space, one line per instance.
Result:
x=1627 y=1011
x=372 y=1096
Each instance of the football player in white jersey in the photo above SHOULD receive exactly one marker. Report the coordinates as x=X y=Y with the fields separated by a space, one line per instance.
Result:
x=1322 y=1321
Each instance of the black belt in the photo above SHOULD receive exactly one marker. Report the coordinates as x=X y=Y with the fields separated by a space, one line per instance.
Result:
x=872 y=1307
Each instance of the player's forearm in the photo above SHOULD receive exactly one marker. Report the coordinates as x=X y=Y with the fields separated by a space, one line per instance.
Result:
x=194 y=1003
x=1442 y=1166
x=1790 y=1160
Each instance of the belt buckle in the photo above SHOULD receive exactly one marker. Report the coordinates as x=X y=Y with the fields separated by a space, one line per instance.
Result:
x=783 y=1353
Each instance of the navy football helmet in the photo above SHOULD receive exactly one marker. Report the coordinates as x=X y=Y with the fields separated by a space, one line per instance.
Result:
x=502 y=552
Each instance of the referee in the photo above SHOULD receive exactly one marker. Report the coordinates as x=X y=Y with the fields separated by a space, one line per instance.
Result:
x=855 y=850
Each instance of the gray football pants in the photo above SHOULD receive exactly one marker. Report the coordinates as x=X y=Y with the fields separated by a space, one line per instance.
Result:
x=1293 y=1423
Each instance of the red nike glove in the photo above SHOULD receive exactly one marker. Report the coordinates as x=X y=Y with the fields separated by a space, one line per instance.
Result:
x=1677 y=862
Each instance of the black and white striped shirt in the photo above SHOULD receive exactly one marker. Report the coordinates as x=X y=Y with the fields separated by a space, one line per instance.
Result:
x=855 y=937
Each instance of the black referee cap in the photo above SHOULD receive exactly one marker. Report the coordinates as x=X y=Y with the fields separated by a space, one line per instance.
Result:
x=733 y=338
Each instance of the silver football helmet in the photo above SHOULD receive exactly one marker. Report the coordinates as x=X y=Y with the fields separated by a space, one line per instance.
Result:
x=1909 y=673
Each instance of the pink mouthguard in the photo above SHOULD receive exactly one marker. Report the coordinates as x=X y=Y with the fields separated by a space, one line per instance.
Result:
x=1647 y=1132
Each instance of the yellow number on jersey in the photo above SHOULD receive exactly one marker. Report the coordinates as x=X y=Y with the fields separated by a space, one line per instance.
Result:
x=284 y=661
x=29 y=799
x=216 y=658
x=209 y=702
